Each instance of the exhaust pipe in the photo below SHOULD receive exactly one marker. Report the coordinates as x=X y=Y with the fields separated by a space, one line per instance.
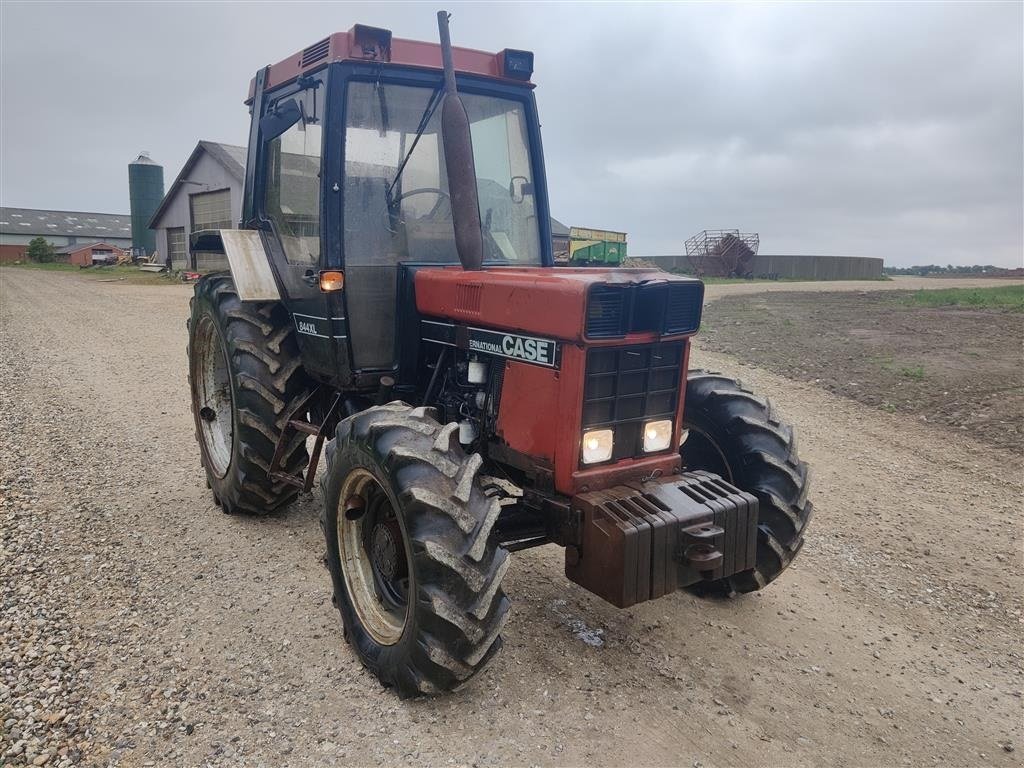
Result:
x=458 y=161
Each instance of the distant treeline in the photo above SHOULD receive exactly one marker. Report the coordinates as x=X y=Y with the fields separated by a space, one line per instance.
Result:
x=949 y=269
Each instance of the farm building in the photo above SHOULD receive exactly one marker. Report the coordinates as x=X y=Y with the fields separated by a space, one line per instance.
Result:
x=18 y=226
x=207 y=194
x=87 y=254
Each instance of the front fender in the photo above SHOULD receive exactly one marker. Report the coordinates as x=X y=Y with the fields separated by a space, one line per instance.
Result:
x=247 y=259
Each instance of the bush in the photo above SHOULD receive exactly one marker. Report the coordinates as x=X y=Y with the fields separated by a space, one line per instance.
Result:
x=41 y=251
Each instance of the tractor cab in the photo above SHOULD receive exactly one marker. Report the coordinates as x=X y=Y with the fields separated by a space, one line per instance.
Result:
x=347 y=174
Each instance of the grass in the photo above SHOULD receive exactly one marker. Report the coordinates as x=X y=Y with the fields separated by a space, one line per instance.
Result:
x=739 y=280
x=127 y=273
x=53 y=266
x=1007 y=297
x=916 y=372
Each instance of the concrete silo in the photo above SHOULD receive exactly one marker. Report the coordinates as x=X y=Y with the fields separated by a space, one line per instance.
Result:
x=145 y=191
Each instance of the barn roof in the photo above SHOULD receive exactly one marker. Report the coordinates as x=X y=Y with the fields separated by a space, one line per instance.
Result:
x=34 y=221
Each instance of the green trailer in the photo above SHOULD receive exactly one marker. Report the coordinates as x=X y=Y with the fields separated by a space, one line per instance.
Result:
x=596 y=246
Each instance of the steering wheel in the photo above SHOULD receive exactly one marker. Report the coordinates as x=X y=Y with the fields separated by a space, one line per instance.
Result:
x=441 y=197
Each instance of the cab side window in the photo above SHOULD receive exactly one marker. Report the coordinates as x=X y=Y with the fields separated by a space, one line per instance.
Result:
x=292 y=193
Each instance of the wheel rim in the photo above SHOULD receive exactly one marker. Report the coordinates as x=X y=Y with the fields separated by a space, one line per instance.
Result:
x=214 y=400
x=374 y=557
x=700 y=451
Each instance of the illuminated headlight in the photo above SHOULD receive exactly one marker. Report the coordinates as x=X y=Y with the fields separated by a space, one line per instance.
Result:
x=657 y=435
x=597 y=445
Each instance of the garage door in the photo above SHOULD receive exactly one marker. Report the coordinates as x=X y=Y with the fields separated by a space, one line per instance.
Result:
x=211 y=210
x=176 y=250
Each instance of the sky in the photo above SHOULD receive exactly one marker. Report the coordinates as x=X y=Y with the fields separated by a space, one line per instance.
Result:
x=891 y=130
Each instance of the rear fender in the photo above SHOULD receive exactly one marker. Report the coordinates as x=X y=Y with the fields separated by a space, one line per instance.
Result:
x=247 y=259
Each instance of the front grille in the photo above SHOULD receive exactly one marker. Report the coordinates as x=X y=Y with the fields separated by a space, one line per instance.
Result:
x=683 y=310
x=664 y=307
x=605 y=311
x=625 y=387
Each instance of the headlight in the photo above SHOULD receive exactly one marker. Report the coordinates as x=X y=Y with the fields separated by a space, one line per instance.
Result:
x=597 y=445
x=657 y=435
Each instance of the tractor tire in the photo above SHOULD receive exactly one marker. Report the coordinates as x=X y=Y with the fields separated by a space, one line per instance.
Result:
x=246 y=378
x=738 y=436
x=415 y=574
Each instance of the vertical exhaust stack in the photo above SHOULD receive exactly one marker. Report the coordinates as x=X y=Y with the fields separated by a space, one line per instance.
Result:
x=458 y=160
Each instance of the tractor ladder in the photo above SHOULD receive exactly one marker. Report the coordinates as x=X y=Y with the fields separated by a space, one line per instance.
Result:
x=298 y=423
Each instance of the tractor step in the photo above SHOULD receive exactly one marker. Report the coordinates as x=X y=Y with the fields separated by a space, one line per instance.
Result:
x=304 y=426
x=298 y=424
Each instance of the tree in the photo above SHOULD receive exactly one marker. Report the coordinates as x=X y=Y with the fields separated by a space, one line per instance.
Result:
x=41 y=251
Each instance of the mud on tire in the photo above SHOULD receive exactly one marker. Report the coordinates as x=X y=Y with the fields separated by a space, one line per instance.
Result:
x=455 y=607
x=246 y=378
x=739 y=436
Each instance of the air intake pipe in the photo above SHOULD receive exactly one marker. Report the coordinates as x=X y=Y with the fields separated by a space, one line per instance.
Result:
x=458 y=160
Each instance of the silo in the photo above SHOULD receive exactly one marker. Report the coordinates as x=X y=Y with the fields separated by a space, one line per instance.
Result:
x=145 y=191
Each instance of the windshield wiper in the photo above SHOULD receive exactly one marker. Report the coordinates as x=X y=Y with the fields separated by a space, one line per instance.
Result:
x=385 y=124
x=420 y=129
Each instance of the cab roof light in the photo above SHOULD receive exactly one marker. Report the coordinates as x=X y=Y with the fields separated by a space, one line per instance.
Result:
x=371 y=43
x=517 y=65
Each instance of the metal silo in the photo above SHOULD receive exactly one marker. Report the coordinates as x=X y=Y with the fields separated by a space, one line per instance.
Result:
x=145 y=191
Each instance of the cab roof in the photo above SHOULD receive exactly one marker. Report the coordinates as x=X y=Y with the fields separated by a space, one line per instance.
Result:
x=375 y=45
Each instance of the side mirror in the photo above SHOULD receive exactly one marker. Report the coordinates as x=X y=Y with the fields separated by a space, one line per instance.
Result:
x=518 y=188
x=282 y=117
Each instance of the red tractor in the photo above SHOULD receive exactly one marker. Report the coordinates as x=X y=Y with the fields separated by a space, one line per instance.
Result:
x=391 y=293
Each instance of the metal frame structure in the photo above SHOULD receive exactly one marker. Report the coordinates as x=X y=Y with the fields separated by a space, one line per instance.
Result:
x=721 y=252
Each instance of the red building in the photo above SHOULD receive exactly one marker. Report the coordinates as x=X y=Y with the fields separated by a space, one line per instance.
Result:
x=87 y=254
x=19 y=226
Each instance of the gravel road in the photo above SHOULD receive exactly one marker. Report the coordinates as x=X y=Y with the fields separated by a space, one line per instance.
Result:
x=141 y=626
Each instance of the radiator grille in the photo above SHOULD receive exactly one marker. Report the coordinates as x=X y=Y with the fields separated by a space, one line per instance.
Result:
x=605 y=311
x=683 y=310
x=653 y=307
x=628 y=386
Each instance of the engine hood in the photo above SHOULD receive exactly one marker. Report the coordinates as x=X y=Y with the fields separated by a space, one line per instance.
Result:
x=548 y=301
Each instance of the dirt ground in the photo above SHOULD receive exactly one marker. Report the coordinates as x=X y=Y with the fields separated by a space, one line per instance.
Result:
x=956 y=366
x=141 y=626
x=901 y=283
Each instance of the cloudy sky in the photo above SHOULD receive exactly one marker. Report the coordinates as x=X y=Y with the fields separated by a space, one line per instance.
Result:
x=890 y=130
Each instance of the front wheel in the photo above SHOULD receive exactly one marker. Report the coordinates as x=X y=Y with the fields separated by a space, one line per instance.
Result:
x=416 y=576
x=740 y=437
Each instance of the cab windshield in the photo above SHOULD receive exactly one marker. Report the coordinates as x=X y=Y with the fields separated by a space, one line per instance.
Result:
x=396 y=203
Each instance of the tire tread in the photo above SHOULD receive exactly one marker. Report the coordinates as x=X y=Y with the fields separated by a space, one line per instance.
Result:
x=761 y=450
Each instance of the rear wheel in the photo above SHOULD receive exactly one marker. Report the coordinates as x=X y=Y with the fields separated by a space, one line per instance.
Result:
x=740 y=437
x=416 y=577
x=246 y=378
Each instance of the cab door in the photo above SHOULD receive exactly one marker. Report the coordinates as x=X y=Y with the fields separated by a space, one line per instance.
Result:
x=291 y=208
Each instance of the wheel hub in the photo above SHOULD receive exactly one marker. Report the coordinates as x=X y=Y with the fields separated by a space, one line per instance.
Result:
x=384 y=550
